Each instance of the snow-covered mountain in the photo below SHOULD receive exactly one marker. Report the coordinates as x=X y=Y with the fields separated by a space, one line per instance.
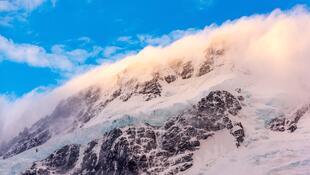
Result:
x=210 y=103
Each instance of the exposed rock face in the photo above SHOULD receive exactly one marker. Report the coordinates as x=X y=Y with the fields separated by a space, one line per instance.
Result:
x=128 y=89
x=59 y=162
x=147 y=149
x=187 y=70
x=283 y=123
x=151 y=89
x=170 y=78
x=208 y=65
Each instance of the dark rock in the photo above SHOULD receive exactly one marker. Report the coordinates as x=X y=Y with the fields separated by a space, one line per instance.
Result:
x=277 y=124
x=60 y=162
x=187 y=70
x=208 y=65
x=283 y=123
x=240 y=98
x=151 y=89
x=170 y=78
x=218 y=102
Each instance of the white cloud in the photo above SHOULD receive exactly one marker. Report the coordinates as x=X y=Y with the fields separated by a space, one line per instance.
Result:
x=203 y=4
x=84 y=39
x=19 y=9
x=126 y=39
x=116 y=56
x=16 y=5
x=155 y=40
x=32 y=55
x=6 y=21
x=164 y=39
x=6 y=6
x=58 y=58
x=110 y=50
x=76 y=55
x=3 y=107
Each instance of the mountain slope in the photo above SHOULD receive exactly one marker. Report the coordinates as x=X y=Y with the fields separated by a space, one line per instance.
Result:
x=148 y=149
x=215 y=102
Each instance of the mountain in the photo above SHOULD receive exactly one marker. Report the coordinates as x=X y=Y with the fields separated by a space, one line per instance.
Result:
x=210 y=103
x=166 y=147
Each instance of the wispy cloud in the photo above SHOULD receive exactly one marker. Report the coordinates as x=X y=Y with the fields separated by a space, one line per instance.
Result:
x=203 y=4
x=110 y=50
x=58 y=57
x=137 y=42
x=164 y=39
x=11 y=10
x=54 y=2
x=156 y=40
x=84 y=39
x=16 y=5
x=126 y=39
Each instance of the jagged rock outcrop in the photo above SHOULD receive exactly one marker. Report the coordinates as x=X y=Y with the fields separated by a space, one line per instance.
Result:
x=283 y=123
x=60 y=162
x=170 y=78
x=146 y=149
x=187 y=70
x=151 y=89
x=208 y=65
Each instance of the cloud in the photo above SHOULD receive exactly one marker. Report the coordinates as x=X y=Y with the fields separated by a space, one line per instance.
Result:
x=124 y=38
x=84 y=39
x=3 y=107
x=156 y=40
x=33 y=55
x=271 y=50
x=16 y=5
x=77 y=55
x=166 y=39
x=127 y=40
x=203 y=4
x=6 y=6
x=110 y=50
x=59 y=58
x=11 y=10
x=54 y=2
x=13 y=111
x=115 y=56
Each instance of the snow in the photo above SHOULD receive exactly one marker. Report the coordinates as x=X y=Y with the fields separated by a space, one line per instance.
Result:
x=264 y=152
x=283 y=153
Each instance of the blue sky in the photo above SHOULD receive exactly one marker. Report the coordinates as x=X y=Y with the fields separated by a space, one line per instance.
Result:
x=45 y=42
